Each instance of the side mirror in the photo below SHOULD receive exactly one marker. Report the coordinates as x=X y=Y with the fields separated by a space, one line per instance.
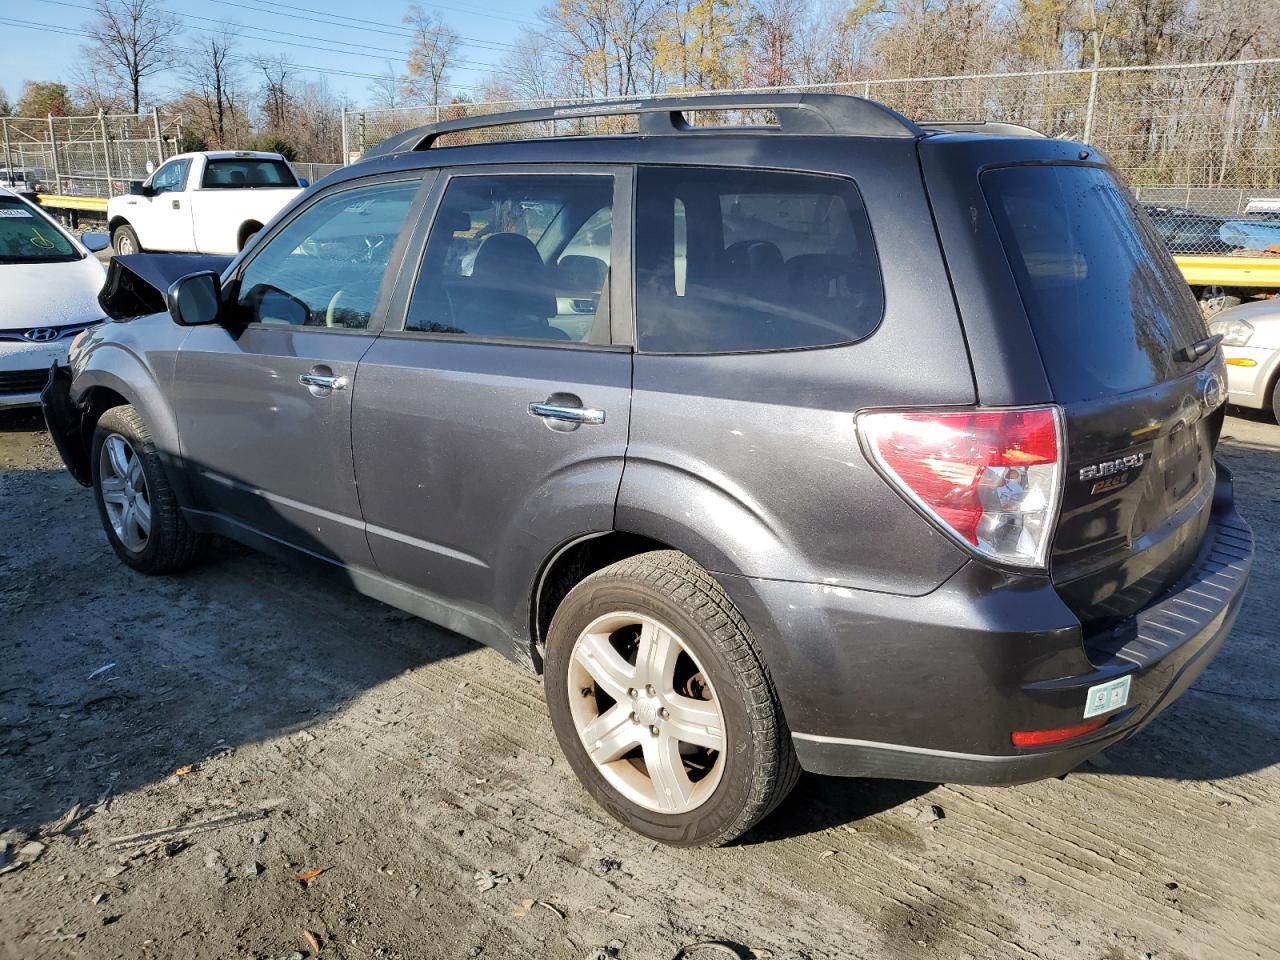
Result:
x=135 y=188
x=196 y=299
x=95 y=242
x=304 y=182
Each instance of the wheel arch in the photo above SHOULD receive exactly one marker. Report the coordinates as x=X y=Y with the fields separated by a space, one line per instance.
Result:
x=568 y=565
x=113 y=376
x=246 y=230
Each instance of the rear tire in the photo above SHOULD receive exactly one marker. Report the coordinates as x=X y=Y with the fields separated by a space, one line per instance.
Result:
x=139 y=512
x=613 y=681
x=124 y=241
x=1275 y=401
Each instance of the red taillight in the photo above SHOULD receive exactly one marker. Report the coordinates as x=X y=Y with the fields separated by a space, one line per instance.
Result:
x=1040 y=738
x=990 y=477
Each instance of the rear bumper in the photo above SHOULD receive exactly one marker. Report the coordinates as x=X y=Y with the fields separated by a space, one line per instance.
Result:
x=930 y=688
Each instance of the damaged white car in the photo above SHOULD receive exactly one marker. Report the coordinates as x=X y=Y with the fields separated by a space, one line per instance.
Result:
x=49 y=283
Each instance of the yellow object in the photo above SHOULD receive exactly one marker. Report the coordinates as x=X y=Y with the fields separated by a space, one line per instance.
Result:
x=1261 y=272
x=1241 y=362
x=61 y=202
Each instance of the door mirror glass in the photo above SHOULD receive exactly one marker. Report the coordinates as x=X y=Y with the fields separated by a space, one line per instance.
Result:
x=195 y=300
x=95 y=242
x=304 y=182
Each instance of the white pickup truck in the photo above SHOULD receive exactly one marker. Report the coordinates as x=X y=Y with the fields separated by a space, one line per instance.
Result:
x=202 y=203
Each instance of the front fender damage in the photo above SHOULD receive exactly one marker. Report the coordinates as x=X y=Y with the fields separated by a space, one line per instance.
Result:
x=66 y=421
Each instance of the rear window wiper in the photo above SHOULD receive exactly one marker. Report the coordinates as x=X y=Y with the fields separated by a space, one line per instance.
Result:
x=1196 y=350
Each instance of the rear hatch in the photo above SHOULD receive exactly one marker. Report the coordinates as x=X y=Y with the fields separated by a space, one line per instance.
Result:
x=1117 y=331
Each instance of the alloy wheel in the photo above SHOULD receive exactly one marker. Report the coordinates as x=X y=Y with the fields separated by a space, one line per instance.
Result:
x=123 y=488
x=646 y=712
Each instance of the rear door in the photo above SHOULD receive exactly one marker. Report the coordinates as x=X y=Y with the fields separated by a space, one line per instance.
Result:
x=1098 y=310
x=490 y=417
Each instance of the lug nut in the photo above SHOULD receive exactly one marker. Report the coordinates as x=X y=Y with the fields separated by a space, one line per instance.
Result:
x=632 y=694
x=650 y=690
x=654 y=730
x=634 y=718
x=663 y=713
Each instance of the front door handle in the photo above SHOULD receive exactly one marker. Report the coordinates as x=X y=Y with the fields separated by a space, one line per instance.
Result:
x=323 y=381
x=567 y=414
x=177 y=204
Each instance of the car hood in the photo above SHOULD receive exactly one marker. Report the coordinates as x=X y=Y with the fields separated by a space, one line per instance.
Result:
x=50 y=294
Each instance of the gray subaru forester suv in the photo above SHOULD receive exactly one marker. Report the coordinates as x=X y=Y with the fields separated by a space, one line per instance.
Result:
x=839 y=443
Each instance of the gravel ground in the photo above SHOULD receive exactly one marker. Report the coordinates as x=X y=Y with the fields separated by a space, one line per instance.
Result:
x=175 y=754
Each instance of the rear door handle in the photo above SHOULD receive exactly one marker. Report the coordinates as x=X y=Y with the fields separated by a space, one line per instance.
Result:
x=177 y=204
x=323 y=381
x=558 y=411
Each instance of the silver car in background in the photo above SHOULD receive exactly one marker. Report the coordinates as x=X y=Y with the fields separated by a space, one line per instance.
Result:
x=1251 y=343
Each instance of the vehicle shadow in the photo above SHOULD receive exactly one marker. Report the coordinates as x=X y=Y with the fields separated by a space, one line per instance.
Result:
x=113 y=681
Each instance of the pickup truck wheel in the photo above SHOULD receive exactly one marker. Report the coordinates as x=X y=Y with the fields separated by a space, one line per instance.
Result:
x=124 y=240
x=135 y=501
x=662 y=704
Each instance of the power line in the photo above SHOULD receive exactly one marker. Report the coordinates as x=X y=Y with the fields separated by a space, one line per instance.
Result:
x=333 y=20
x=382 y=55
x=439 y=6
x=306 y=68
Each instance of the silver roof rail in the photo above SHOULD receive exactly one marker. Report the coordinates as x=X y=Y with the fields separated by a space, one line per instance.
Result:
x=799 y=114
x=995 y=127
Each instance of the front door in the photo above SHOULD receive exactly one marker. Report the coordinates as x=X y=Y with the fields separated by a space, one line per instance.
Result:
x=264 y=400
x=163 y=220
x=490 y=423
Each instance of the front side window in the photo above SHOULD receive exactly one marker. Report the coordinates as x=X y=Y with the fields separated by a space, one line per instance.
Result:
x=247 y=172
x=172 y=177
x=26 y=236
x=518 y=256
x=325 y=268
x=738 y=260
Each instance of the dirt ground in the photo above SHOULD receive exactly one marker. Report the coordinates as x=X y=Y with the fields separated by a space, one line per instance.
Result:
x=174 y=754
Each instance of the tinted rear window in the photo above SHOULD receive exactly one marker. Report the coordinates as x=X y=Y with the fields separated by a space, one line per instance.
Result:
x=247 y=172
x=737 y=260
x=1107 y=303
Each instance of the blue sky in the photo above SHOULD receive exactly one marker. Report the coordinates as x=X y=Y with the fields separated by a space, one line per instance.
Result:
x=354 y=38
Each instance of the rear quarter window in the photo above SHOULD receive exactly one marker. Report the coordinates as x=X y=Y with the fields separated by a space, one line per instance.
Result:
x=731 y=261
x=1108 y=306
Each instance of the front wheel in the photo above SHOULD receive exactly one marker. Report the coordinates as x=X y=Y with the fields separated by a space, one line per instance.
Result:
x=139 y=512
x=124 y=240
x=662 y=704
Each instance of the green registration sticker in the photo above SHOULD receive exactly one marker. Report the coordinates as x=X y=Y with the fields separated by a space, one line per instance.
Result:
x=1106 y=697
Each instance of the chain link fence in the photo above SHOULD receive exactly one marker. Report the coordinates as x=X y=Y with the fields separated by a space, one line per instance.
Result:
x=90 y=156
x=1199 y=143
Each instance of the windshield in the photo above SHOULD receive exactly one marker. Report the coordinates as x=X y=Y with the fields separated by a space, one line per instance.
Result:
x=247 y=172
x=28 y=237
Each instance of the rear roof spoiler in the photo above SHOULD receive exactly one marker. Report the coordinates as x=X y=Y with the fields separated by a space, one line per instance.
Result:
x=799 y=114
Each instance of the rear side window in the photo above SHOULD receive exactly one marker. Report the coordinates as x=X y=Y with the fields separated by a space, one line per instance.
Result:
x=738 y=260
x=518 y=256
x=1107 y=304
x=248 y=172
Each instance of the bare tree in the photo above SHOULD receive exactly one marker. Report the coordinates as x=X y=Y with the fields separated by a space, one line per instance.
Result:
x=433 y=54
x=132 y=40
x=277 y=74
x=388 y=90
x=212 y=75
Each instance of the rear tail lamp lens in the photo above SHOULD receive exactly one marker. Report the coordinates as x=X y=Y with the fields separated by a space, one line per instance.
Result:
x=992 y=479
